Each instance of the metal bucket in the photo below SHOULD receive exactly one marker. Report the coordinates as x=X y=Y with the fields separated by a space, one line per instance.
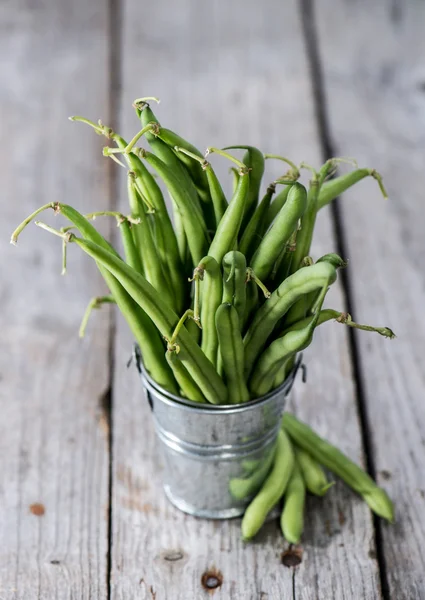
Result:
x=215 y=457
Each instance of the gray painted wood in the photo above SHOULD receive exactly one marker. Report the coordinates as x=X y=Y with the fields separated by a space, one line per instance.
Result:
x=53 y=447
x=228 y=76
x=374 y=78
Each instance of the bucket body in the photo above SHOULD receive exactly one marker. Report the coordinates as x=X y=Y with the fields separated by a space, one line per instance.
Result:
x=215 y=457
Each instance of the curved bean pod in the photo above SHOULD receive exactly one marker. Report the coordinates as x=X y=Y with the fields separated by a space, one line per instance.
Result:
x=211 y=293
x=314 y=476
x=227 y=231
x=335 y=187
x=277 y=236
x=234 y=281
x=333 y=459
x=306 y=280
x=292 y=517
x=254 y=160
x=272 y=489
x=185 y=382
x=231 y=350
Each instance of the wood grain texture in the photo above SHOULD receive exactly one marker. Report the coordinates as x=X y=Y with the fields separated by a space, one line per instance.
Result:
x=53 y=446
x=232 y=75
x=374 y=81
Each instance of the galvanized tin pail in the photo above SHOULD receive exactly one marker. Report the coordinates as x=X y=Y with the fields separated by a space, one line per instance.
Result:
x=215 y=457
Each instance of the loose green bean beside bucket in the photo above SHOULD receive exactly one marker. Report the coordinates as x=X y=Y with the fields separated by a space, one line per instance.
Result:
x=221 y=302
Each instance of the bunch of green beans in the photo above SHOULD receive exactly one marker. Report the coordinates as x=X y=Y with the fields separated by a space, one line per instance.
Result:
x=221 y=291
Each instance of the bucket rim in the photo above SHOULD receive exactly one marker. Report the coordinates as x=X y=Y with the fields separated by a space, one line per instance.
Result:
x=209 y=408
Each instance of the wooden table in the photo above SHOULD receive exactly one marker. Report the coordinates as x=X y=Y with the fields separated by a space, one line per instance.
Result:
x=82 y=513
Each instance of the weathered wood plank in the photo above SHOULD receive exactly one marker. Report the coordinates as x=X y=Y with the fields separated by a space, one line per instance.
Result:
x=53 y=447
x=374 y=79
x=228 y=75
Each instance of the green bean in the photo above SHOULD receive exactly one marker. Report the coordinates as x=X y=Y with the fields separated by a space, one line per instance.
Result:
x=231 y=350
x=211 y=293
x=165 y=319
x=187 y=386
x=254 y=161
x=272 y=490
x=152 y=267
x=292 y=517
x=234 y=281
x=243 y=488
x=216 y=192
x=193 y=223
x=94 y=304
x=285 y=223
x=306 y=304
x=282 y=266
x=335 y=187
x=306 y=280
x=313 y=474
x=330 y=457
x=281 y=350
x=281 y=198
x=252 y=235
x=275 y=207
x=309 y=218
x=227 y=231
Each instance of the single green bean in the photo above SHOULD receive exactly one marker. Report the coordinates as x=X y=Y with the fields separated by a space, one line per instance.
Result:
x=227 y=231
x=275 y=207
x=211 y=294
x=279 y=233
x=253 y=232
x=272 y=489
x=254 y=160
x=165 y=319
x=314 y=476
x=283 y=264
x=187 y=386
x=292 y=517
x=308 y=220
x=234 y=281
x=306 y=280
x=333 y=459
x=231 y=350
x=335 y=187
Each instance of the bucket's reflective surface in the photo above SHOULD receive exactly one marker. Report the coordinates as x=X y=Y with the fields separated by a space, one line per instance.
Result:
x=215 y=457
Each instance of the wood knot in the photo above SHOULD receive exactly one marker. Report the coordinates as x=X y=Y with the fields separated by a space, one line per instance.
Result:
x=211 y=580
x=37 y=509
x=292 y=557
